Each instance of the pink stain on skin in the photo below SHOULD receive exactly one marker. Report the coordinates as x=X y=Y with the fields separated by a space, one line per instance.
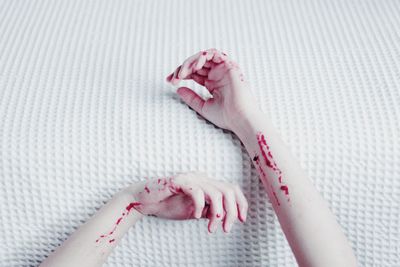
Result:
x=276 y=198
x=128 y=208
x=147 y=189
x=270 y=162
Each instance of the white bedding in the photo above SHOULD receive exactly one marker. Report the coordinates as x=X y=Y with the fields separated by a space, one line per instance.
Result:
x=84 y=111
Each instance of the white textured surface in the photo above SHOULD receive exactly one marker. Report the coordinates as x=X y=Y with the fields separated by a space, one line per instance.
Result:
x=84 y=111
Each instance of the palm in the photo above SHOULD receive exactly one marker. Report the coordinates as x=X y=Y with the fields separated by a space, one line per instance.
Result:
x=176 y=207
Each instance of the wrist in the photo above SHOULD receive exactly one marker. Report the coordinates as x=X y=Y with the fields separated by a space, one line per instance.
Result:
x=128 y=201
x=246 y=123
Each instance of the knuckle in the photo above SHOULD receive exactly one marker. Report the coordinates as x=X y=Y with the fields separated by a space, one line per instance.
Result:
x=216 y=197
x=198 y=192
x=230 y=217
x=245 y=205
x=229 y=195
x=237 y=188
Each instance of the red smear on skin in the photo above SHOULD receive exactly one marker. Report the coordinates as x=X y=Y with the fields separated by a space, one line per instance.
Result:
x=267 y=155
x=132 y=205
x=218 y=215
x=175 y=189
x=147 y=189
x=266 y=159
x=204 y=53
x=257 y=160
x=128 y=208
x=176 y=73
x=270 y=162
x=112 y=240
x=285 y=189
x=159 y=181
x=261 y=138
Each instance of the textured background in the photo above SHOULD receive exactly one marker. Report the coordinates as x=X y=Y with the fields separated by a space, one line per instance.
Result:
x=84 y=111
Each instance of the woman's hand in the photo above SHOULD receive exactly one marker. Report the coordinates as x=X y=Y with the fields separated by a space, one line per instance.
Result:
x=231 y=96
x=189 y=196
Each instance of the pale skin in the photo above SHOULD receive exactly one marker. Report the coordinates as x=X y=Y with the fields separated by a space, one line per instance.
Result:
x=311 y=229
x=185 y=196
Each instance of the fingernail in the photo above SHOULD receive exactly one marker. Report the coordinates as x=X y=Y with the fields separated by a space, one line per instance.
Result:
x=228 y=228
x=182 y=73
x=198 y=215
x=213 y=227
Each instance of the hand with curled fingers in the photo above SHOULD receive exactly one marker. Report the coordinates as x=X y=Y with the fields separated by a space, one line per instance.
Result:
x=190 y=196
x=231 y=96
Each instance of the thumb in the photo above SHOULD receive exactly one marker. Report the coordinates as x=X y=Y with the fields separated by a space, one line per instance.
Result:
x=192 y=99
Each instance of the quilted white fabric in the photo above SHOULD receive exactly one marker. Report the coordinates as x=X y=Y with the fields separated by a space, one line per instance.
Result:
x=85 y=111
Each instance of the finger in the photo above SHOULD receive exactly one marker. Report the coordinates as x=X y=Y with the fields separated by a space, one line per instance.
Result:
x=199 y=79
x=196 y=62
x=214 y=198
x=210 y=53
x=242 y=204
x=192 y=99
x=198 y=198
x=231 y=212
x=201 y=61
x=208 y=64
x=177 y=184
x=217 y=58
x=217 y=72
x=188 y=65
x=230 y=205
x=203 y=72
x=174 y=79
x=169 y=77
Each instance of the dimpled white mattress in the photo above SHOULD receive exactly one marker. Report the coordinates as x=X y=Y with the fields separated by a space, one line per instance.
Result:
x=85 y=111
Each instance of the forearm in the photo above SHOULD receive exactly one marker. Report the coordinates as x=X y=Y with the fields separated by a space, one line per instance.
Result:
x=93 y=242
x=314 y=235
